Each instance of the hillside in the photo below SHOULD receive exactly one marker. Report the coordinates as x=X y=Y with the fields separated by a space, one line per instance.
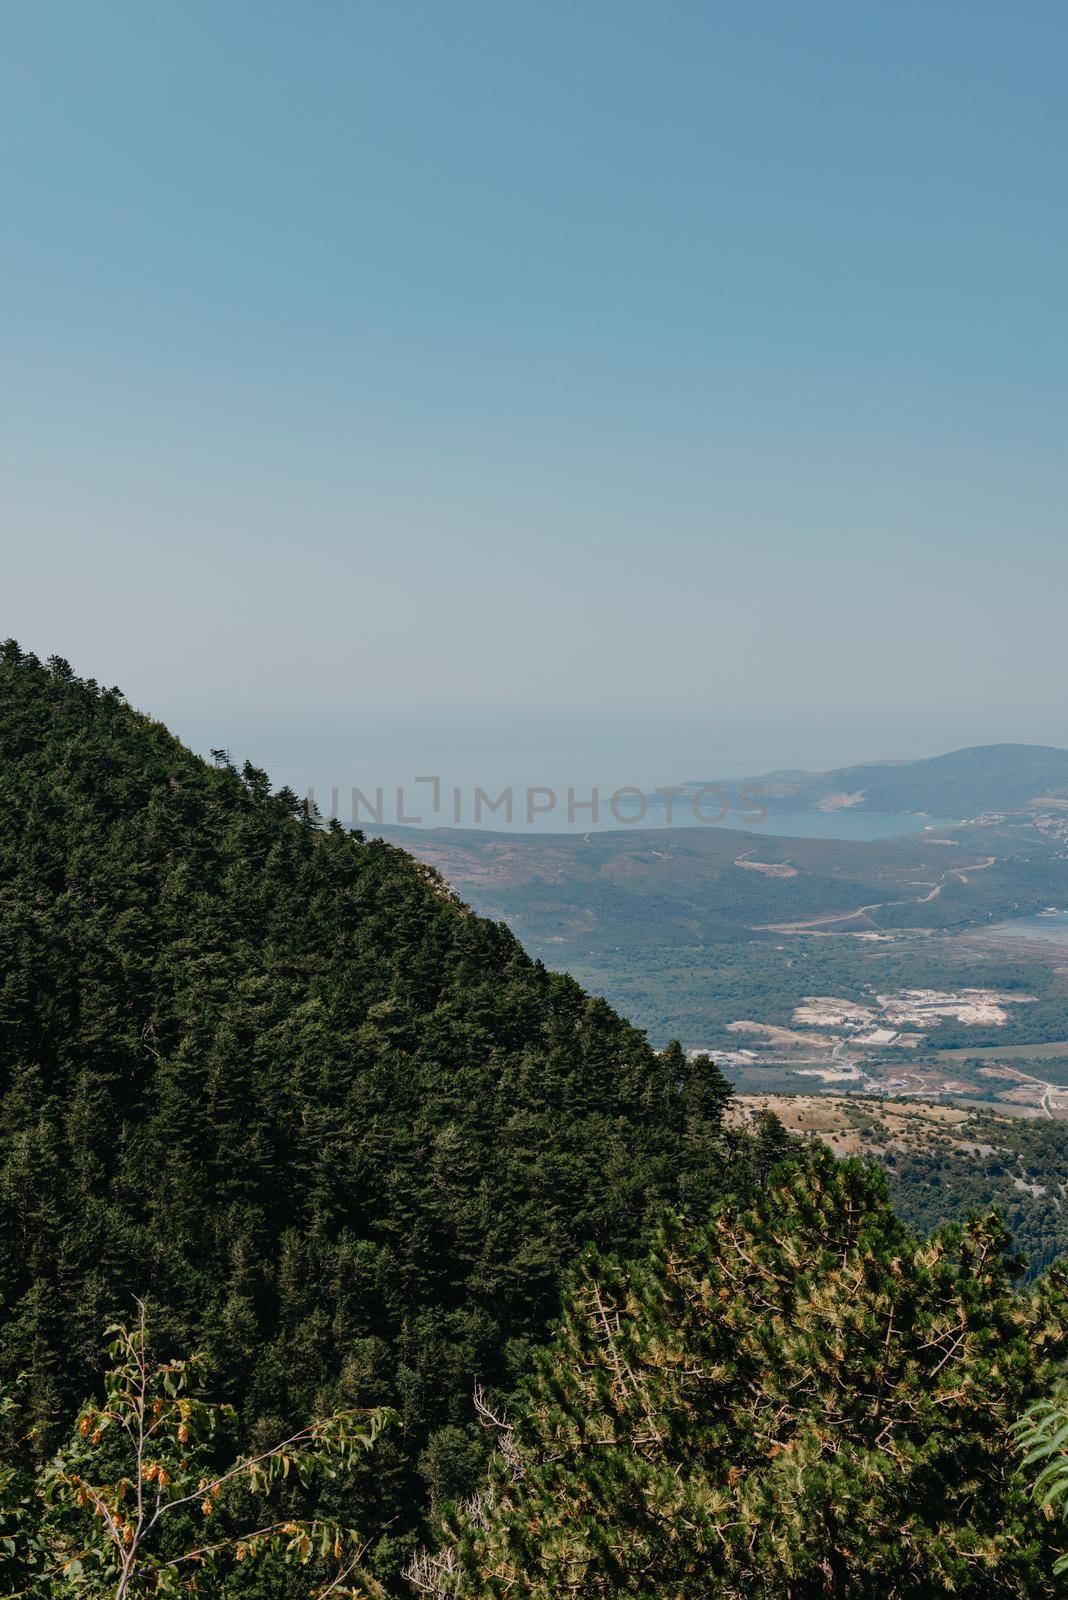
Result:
x=282 y=1082
x=352 y=1143
x=962 y=783
x=695 y=886
x=688 y=931
x=944 y=1162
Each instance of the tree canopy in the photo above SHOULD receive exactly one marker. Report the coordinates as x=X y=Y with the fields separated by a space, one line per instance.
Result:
x=794 y=1401
x=276 y=1078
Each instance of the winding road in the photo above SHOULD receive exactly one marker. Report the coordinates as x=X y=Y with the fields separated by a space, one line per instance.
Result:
x=934 y=890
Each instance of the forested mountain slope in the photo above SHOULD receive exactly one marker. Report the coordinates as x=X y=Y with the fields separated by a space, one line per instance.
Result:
x=281 y=1082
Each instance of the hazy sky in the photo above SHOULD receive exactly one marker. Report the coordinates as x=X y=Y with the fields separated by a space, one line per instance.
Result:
x=704 y=364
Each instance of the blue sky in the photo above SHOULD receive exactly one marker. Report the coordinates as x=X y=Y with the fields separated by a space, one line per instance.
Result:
x=416 y=365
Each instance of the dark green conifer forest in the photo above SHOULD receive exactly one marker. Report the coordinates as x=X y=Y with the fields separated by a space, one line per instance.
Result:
x=278 y=1081
x=423 y=1272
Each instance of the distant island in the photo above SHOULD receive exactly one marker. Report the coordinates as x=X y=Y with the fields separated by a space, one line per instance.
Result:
x=962 y=784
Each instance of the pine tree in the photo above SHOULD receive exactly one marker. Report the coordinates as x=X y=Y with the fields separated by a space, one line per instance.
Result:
x=274 y=1076
x=794 y=1402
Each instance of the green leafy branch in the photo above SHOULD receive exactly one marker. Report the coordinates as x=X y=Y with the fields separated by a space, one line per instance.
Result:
x=1042 y=1434
x=130 y=1506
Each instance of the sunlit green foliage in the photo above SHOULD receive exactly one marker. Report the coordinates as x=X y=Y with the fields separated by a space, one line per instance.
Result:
x=796 y=1401
x=1042 y=1434
x=141 y=1500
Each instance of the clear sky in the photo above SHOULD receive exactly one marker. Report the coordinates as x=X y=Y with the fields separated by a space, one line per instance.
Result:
x=675 y=365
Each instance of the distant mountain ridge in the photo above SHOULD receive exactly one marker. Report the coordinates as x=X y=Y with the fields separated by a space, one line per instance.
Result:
x=961 y=784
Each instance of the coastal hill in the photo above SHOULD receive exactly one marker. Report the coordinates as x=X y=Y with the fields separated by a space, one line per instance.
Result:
x=679 y=886
x=961 y=784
